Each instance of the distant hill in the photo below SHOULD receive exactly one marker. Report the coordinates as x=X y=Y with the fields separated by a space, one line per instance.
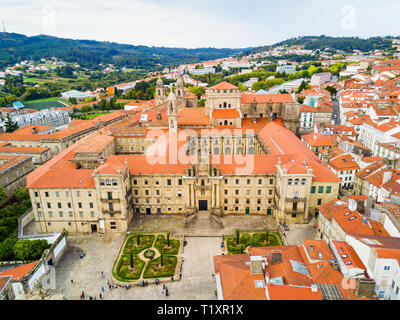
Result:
x=17 y=47
x=346 y=44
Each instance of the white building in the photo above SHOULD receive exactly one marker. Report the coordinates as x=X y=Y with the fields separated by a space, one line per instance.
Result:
x=381 y=256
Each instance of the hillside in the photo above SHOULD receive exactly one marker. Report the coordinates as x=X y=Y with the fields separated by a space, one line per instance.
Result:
x=346 y=44
x=16 y=47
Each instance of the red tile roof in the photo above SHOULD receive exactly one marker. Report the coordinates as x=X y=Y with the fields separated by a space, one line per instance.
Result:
x=226 y=114
x=19 y=272
x=224 y=86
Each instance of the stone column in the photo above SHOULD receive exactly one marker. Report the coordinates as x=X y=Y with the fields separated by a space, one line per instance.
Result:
x=217 y=194
x=213 y=195
x=188 y=195
x=192 y=195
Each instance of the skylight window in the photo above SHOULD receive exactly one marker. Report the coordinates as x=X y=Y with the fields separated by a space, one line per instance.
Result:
x=348 y=263
x=344 y=256
x=352 y=218
x=259 y=284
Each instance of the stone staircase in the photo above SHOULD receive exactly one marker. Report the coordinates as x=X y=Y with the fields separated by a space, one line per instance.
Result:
x=203 y=220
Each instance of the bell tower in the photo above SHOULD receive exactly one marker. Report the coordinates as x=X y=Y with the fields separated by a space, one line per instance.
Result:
x=172 y=112
x=160 y=92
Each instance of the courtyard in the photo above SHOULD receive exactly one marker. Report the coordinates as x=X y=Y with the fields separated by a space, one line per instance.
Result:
x=203 y=237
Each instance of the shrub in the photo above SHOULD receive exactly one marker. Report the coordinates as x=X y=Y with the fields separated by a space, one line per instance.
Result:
x=6 y=249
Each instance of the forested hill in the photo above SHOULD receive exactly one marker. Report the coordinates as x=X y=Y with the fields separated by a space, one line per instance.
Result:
x=346 y=44
x=17 y=47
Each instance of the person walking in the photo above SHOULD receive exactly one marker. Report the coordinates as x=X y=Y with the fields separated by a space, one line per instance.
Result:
x=83 y=295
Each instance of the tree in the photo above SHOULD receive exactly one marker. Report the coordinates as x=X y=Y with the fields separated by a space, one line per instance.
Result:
x=267 y=236
x=131 y=260
x=138 y=239
x=303 y=86
x=300 y=100
x=6 y=249
x=3 y=197
x=237 y=236
x=30 y=249
x=242 y=87
x=162 y=259
x=11 y=126
x=332 y=90
x=73 y=100
x=168 y=239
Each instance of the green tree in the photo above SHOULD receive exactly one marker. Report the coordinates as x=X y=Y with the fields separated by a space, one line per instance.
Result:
x=303 y=86
x=237 y=236
x=6 y=249
x=300 y=100
x=242 y=87
x=3 y=197
x=332 y=90
x=168 y=239
x=29 y=249
x=73 y=100
x=11 y=126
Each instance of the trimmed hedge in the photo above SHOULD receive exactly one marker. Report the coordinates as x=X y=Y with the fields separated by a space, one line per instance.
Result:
x=124 y=272
x=154 y=269
x=162 y=245
x=131 y=246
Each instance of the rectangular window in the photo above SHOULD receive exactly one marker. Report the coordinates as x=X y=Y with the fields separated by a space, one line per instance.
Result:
x=180 y=182
x=91 y=205
x=109 y=196
x=78 y=193
x=60 y=214
x=46 y=194
x=36 y=194
x=328 y=189
x=80 y=205
x=312 y=189
x=321 y=190
x=48 y=205
x=81 y=214
x=169 y=182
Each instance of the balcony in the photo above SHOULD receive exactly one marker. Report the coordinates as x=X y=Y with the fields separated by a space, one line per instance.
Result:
x=112 y=212
x=110 y=200
x=295 y=199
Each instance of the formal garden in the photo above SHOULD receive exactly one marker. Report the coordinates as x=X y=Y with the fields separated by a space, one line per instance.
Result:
x=241 y=241
x=147 y=256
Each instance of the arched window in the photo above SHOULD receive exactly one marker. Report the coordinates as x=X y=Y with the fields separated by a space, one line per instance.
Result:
x=226 y=122
x=239 y=150
x=108 y=182
x=216 y=150
x=114 y=182
x=224 y=104
x=296 y=182
x=303 y=182
x=251 y=150
x=290 y=181
x=228 y=150
x=101 y=182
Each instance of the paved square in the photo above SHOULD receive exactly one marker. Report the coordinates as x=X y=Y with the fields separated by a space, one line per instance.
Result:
x=197 y=281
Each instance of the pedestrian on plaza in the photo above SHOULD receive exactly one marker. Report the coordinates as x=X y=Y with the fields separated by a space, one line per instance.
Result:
x=102 y=288
x=90 y=298
x=172 y=279
x=166 y=292
x=83 y=294
x=157 y=282
x=101 y=296
x=72 y=281
x=164 y=286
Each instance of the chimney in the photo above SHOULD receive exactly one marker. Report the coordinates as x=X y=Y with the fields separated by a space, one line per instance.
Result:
x=311 y=249
x=387 y=176
x=314 y=287
x=365 y=288
x=34 y=131
x=276 y=257
x=352 y=205
x=335 y=266
x=256 y=264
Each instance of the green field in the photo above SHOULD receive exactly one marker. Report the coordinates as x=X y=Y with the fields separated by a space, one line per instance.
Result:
x=44 y=103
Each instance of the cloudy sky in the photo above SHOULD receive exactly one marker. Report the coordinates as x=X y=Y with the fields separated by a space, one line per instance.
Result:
x=200 y=23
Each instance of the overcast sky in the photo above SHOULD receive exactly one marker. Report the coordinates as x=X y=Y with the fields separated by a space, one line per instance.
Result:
x=200 y=23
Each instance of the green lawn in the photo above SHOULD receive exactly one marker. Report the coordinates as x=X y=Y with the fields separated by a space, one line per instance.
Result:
x=52 y=102
x=125 y=271
x=252 y=240
x=146 y=241
x=162 y=245
x=91 y=116
x=154 y=268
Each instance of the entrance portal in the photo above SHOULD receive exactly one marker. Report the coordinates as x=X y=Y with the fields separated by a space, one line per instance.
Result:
x=94 y=228
x=148 y=211
x=203 y=205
